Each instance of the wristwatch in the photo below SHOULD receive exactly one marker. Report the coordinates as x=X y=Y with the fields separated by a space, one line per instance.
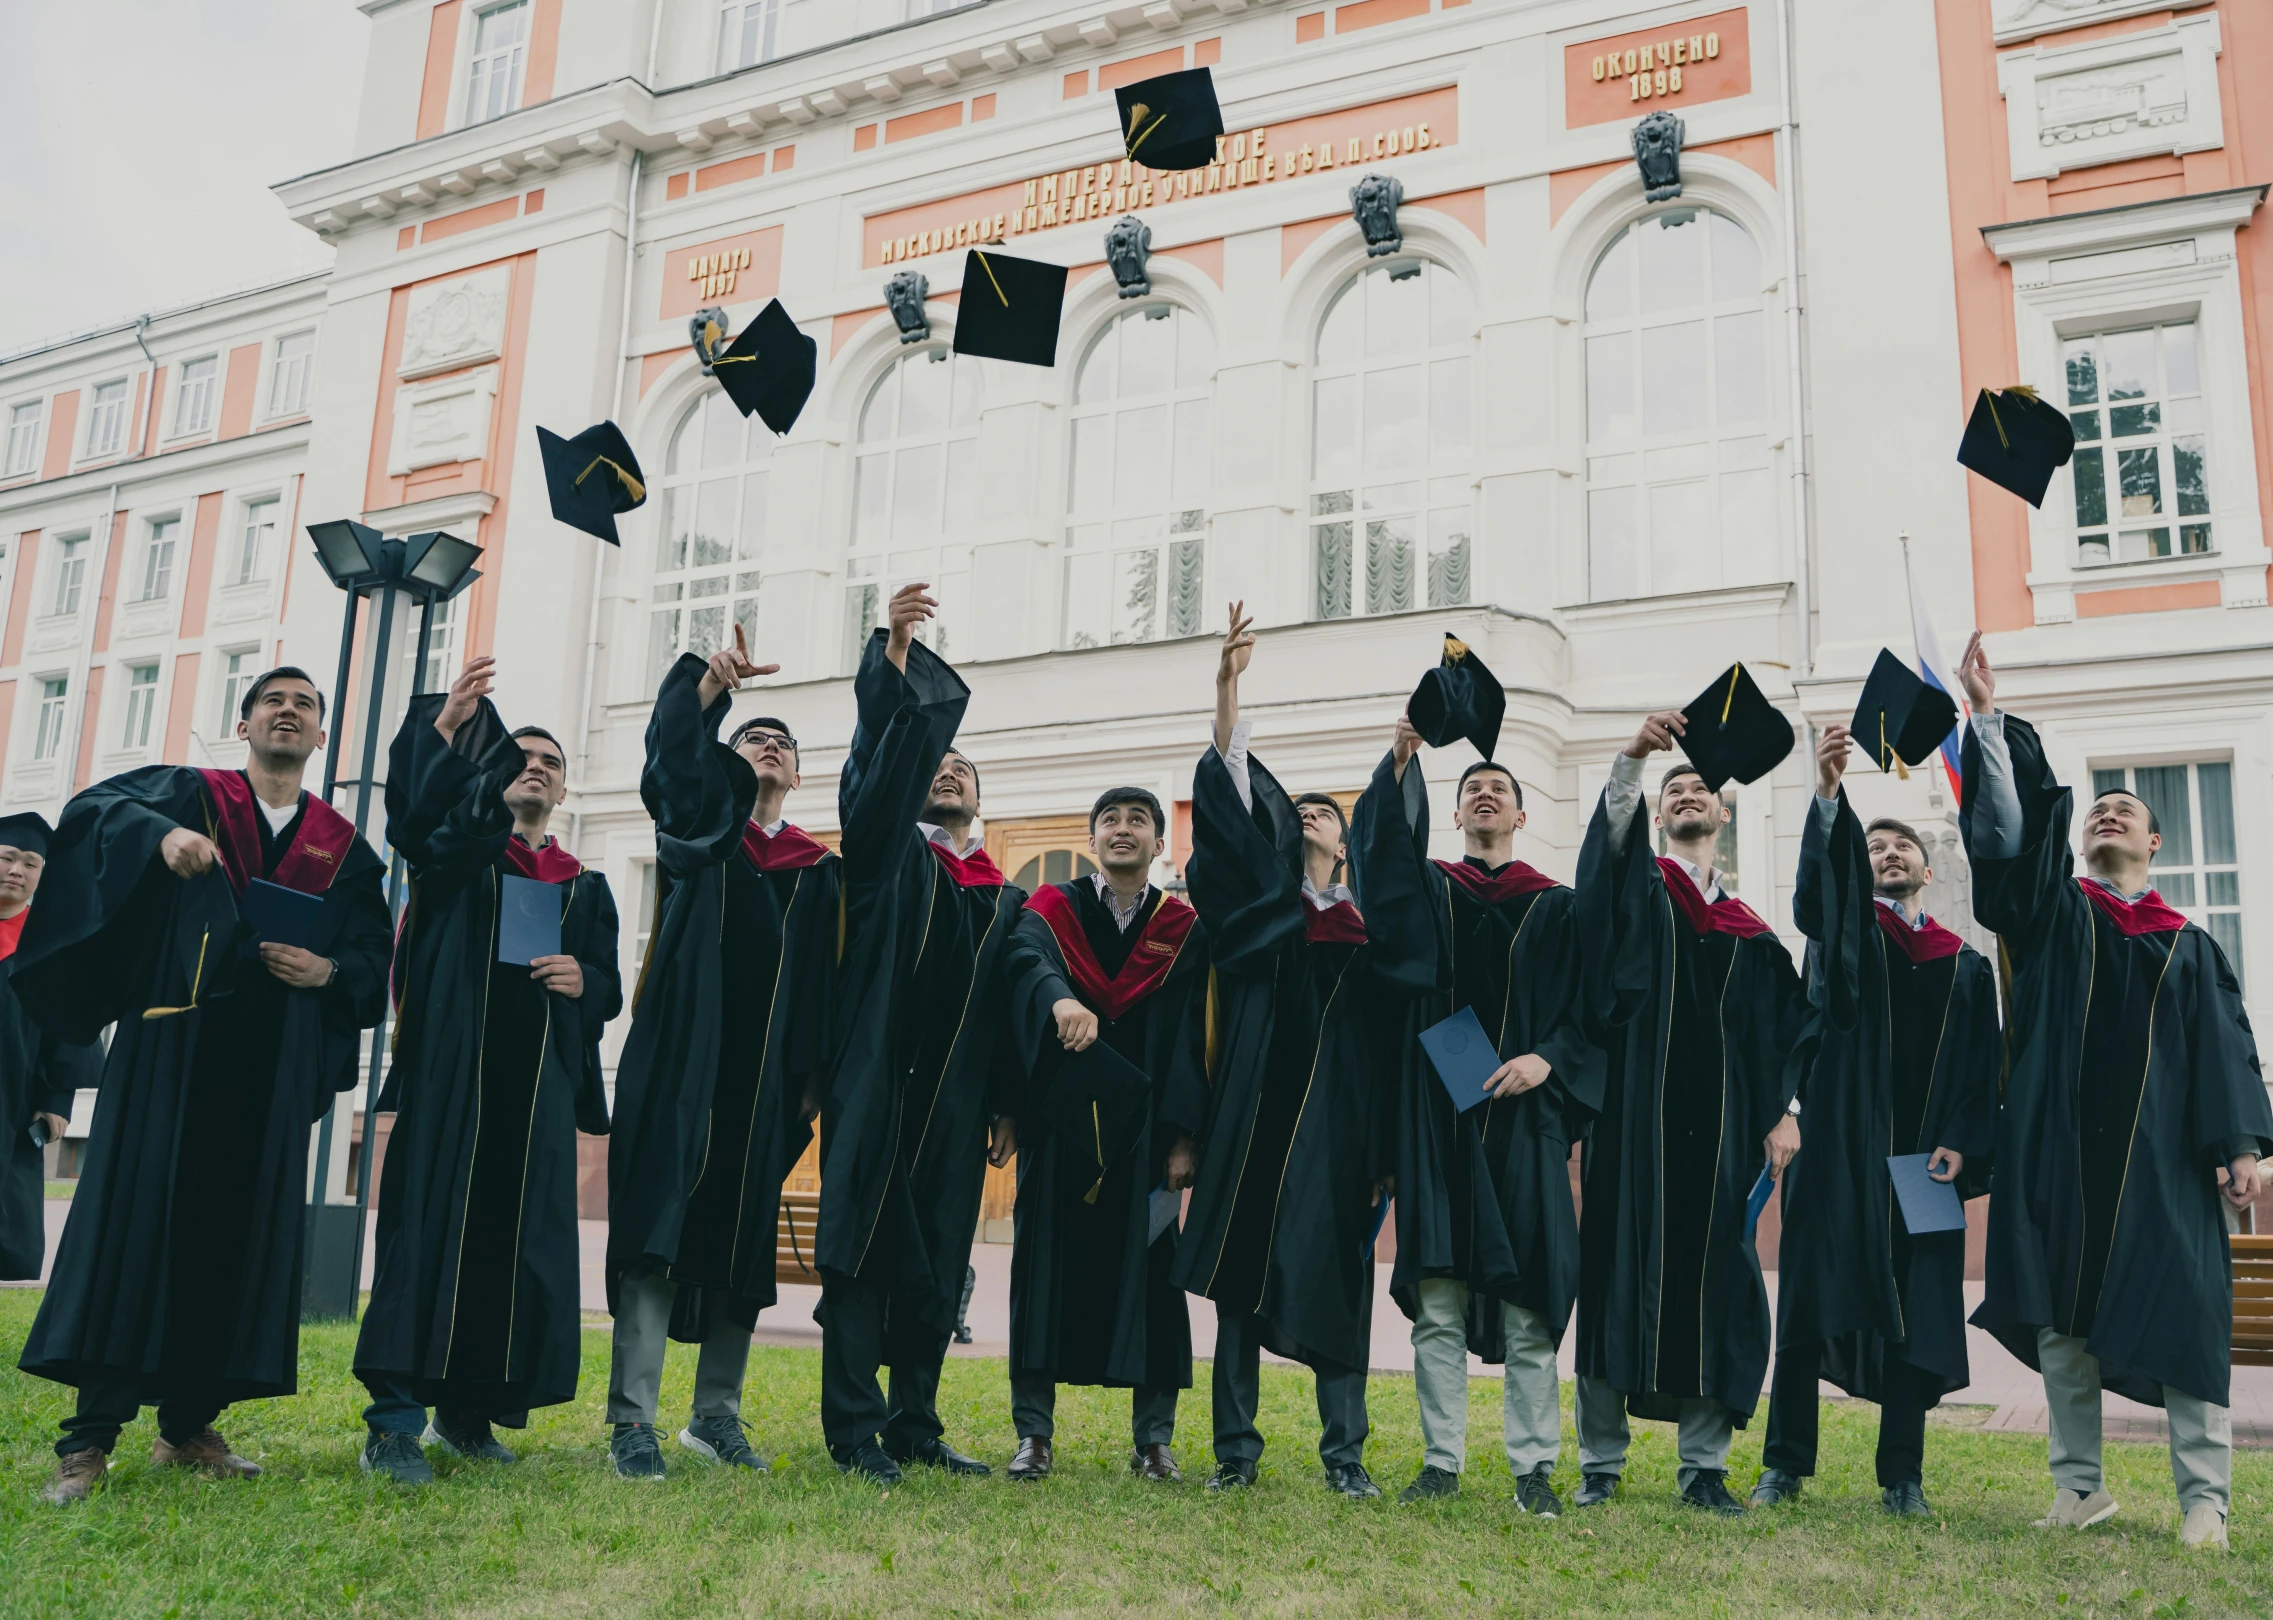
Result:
x=1792 y=1108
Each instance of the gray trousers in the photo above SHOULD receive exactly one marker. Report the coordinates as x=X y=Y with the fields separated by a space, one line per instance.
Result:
x=1034 y=1408
x=1705 y=1432
x=2201 y=1435
x=1530 y=1405
x=635 y=1371
x=1237 y=1390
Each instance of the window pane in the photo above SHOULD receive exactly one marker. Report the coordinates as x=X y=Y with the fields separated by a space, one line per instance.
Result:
x=2180 y=372
x=1736 y=262
x=722 y=429
x=1448 y=413
x=1684 y=549
x=1330 y=545
x=1098 y=371
x=2164 y=789
x=869 y=487
x=970 y=391
x=2129 y=421
x=1140 y=453
x=915 y=494
x=1193 y=452
x=1389 y=552
x=1340 y=338
x=1672 y=260
x=1335 y=428
x=1748 y=528
x=1195 y=351
x=714 y=522
x=2217 y=785
x=923 y=395
x=2187 y=472
x=2091 y=487
x=1610 y=411
x=1087 y=594
x=1395 y=430
x=2139 y=473
x=2225 y=928
x=2083 y=372
x=2129 y=362
x=876 y=417
x=2176 y=887
x=1613 y=560
x=706 y=630
x=1092 y=464
x=1673 y=379
x=1740 y=361
x=2086 y=423
x=662 y=642
x=1136 y=595
x=1452 y=313
x=1448 y=558
x=2107 y=781
x=1148 y=356
x=962 y=486
x=753 y=513
x=1610 y=292
x=1396 y=314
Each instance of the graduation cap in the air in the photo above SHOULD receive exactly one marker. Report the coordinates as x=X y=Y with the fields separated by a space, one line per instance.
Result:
x=1009 y=308
x=2016 y=440
x=27 y=831
x=1734 y=732
x=1900 y=718
x=1459 y=698
x=591 y=478
x=769 y=369
x=1096 y=1104
x=1171 y=122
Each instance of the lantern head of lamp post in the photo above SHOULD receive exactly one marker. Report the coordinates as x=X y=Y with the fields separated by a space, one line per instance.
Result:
x=437 y=566
x=353 y=554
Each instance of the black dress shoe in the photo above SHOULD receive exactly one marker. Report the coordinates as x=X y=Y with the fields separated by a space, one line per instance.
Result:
x=1906 y=1500
x=1033 y=1459
x=1709 y=1490
x=1595 y=1489
x=1232 y=1476
x=937 y=1453
x=1155 y=1463
x=1351 y=1480
x=1775 y=1486
x=872 y=1463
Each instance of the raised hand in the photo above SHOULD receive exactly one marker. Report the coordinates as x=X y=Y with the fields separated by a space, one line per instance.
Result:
x=1831 y=761
x=1404 y=743
x=729 y=668
x=1658 y=733
x=1238 y=646
x=909 y=607
x=1978 y=679
x=466 y=693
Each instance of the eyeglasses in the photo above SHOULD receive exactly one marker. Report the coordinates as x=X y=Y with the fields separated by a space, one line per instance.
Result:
x=774 y=739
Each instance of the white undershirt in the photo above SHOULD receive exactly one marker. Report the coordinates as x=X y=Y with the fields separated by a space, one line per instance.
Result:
x=279 y=816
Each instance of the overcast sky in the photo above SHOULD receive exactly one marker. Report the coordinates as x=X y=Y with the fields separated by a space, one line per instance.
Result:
x=138 y=140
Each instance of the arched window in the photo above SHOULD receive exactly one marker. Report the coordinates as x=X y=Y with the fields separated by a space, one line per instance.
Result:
x=1678 y=491
x=1137 y=491
x=711 y=511
x=915 y=503
x=1392 y=444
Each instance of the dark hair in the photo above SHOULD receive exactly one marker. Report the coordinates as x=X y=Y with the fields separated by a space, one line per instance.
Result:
x=1900 y=829
x=539 y=731
x=1489 y=765
x=966 y=759
x=2154 y=823
x=1129 y=796
x=1330 y=802
x=282 y=672
x=1680 y=767
x=752 y=724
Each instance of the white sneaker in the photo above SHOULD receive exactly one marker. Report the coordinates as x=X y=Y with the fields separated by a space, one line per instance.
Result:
x=2072 y=1510
x=2205 y=1526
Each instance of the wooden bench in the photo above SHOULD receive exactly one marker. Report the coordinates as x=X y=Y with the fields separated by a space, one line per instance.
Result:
x=800 y=1221
x=2253 y=1300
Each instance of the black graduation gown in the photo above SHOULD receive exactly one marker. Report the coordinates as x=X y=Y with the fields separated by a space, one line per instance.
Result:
x=39 y=1074
x=1092 y=1300
x=1485 y=1196
x=1294 y=1106
x=215 y=1073
x=2134 y=1077
x=730 y=1025
x=1907 y=1056
x=475 y=1299
x=922 y=1067
x=1700 y=1026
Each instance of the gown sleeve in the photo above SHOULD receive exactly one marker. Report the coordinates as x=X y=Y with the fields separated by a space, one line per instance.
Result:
x=1246 y=865
x=1618 y=906
x=698 y=791
x=906 y=721
x=2020 y=896
x=1407 y=929
x=446 y=799
x=1832 y=903
x=1578 y=1069
x=1033 y=972
x=2228 y=1114
x=601 y=1001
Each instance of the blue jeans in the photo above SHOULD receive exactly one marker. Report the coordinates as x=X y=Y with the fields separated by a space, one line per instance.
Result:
x=392 y=1410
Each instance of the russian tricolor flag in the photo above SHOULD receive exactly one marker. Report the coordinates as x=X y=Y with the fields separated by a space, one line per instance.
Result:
x=1937 y=672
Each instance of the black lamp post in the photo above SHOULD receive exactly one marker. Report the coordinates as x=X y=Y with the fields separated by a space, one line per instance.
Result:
x=429 y=568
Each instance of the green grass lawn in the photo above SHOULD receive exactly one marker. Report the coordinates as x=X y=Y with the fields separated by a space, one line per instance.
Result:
x=557 y=1534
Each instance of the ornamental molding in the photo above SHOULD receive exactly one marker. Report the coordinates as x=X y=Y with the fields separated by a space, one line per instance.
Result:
x=2103 y=229
x=451 y=324
x=2143 y=94
x=440 y=422
x=2025 y=19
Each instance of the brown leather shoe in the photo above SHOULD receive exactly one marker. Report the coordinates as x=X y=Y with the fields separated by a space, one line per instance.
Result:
x=1155 y=1462
x=207 y=1451
x=1033 y=1459
x=75 y=1475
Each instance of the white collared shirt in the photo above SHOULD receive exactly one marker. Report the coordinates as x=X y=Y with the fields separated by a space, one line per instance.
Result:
x=1121 y=919
x=940 y=836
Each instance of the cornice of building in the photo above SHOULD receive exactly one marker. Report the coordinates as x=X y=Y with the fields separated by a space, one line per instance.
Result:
x=2099 y=228
x=189 y=460
x=76 y=348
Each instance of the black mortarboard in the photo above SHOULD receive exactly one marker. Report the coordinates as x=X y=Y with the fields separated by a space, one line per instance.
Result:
x=2016 y=440
x=1459 y=698
x=1171 y=122
x=769 y=369
x=1009 y=308
x=1900 y=719
x=1734 y=732
x=1097 y=1105
x=27 y=831
x=592 y=477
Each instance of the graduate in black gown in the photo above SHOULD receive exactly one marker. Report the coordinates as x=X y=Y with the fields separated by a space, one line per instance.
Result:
x=1700 y=1007
x=720 y=1076
x=40 y=1072
x=1103 y=958
x=177 y=1280
x=475 y=1308
x=1294 y=1109
x=919 y=1097
x=1907 y=1055
x=2135 y=1094
x=1487 y=1235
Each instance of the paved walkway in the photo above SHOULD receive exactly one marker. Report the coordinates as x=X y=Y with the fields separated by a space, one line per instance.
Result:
x=2013 y=1392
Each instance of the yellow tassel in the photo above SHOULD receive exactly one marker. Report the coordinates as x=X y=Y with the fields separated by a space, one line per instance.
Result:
x=1454 y=649
x=197 y=980
x=1729 y=702
x=1141 y=139
x=1097 y=1125
x=638 y=489
x=1994 y=422
x=989 y=269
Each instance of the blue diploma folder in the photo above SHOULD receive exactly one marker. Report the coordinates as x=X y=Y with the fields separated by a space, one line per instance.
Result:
x=279 y=916
x=528 y=920
x=1758 y=1200
x=1927 y=1205
x=1463 y=1056
x=1380 y=1217
x=1161 y=1210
